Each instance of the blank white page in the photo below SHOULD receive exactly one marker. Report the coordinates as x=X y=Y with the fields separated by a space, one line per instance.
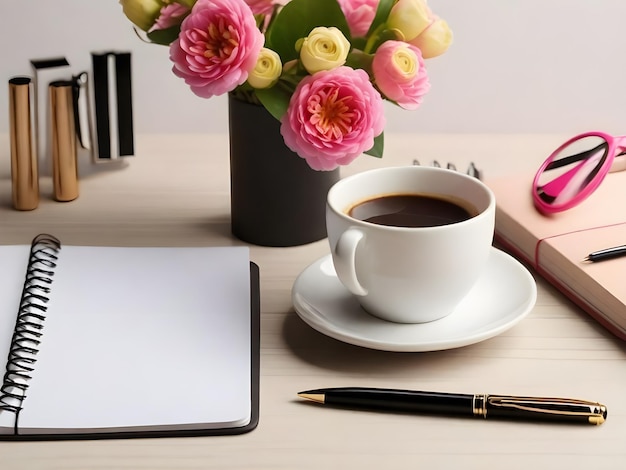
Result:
x=143 y=339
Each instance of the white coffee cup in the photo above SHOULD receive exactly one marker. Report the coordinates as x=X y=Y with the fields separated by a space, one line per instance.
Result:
x=410 y=274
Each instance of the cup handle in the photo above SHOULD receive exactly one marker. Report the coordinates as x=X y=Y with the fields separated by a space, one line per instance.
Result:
x=344 y=260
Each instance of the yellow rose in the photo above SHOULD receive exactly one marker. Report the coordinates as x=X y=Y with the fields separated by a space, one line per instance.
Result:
x=435 y=40
x=324 y=49
x=267 y=69
x=410 y=17
x=143 y=13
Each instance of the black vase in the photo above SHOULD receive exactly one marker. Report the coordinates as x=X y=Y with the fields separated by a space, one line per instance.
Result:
x=276 y=198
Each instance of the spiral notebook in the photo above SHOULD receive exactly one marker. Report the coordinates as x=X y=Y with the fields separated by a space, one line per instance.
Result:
x=114 y=342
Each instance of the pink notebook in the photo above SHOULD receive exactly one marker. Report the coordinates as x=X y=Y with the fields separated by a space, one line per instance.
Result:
x=556 y=245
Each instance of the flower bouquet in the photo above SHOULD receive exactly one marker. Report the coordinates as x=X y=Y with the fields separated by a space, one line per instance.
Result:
x=321 y=67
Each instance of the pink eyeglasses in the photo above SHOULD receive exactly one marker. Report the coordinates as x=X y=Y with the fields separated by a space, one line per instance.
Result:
x=574 y=170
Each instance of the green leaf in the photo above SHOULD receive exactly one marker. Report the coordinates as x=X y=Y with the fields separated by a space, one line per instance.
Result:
x=296 y=20
x=377 y=149
x=359 y=43
x=275 y=100
x=382 y=13
x=381 y=37
x=360 y=60
x=164 y=36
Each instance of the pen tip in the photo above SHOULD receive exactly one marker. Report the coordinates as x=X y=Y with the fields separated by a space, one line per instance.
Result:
x=317 y=397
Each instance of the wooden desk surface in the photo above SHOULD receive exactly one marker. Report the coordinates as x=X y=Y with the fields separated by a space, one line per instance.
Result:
x=175 y=191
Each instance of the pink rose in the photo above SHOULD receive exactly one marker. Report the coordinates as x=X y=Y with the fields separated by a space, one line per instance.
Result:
x=218 y=46
x=333 y=117
x=264 y=7
x=400 y=73
x=359 y=15
x=170 y=15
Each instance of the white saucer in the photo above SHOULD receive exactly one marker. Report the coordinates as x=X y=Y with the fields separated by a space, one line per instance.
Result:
x=502 y=297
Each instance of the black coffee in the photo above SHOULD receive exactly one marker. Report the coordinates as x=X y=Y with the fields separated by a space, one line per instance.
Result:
x=409 y=211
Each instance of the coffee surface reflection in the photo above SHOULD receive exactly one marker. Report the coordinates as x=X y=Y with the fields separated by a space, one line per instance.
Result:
x=409 y=210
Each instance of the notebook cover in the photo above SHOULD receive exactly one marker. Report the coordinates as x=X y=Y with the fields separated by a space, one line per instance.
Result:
x=555 y=245
x=255 y=321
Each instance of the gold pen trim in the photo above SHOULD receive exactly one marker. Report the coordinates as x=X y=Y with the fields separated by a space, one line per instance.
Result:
x=479 y=405
x=594 y=412
x=316 y=397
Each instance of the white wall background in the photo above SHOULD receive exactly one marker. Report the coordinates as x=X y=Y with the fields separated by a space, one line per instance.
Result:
x=516 y=66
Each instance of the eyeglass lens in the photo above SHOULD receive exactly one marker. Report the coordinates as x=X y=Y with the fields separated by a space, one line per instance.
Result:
x=572 y=169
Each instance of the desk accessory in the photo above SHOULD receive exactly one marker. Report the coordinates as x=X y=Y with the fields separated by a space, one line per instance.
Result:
x=24 y=166
x=116 y=342
x=113 y=107
x=606 y=253
x=575 y=170
x=555 y=245
x=564 y=410
x=64 y=140
x=82 y=109
x=45 y=71
x=500 y=299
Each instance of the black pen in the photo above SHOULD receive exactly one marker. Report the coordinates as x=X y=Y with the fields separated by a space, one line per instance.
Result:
x=607 y=253
x=458 y=404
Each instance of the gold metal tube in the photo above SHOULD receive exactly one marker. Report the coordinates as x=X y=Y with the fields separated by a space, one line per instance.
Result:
x=24 y=167
x=64 y=151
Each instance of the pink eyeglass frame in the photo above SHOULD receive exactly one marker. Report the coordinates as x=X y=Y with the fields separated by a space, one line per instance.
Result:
x=616 y=145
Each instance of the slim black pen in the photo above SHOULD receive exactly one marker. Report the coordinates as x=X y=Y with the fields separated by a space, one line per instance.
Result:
x=458 y=404
x=607 y=253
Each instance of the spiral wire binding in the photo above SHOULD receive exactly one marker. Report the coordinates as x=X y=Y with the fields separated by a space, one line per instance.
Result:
x=472 y=170
x=29 y=324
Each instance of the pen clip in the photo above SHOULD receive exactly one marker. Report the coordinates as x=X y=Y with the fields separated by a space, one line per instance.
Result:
x=80 y=94
x=594 y=412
